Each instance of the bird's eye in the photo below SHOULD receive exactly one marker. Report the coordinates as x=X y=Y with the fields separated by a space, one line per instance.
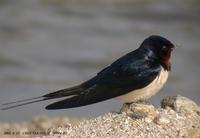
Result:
x=164 y=48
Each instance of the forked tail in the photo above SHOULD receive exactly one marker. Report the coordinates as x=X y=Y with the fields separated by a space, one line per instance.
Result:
x=58 y=94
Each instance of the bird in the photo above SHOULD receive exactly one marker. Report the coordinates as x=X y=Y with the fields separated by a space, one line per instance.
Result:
x=134 y=77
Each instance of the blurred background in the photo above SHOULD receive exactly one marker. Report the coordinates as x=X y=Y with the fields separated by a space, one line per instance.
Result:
x=46 y=45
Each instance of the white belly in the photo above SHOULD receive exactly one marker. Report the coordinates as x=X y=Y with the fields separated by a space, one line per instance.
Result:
x=148 y=91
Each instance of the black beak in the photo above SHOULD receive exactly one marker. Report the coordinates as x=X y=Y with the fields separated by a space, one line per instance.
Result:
x=172 y=48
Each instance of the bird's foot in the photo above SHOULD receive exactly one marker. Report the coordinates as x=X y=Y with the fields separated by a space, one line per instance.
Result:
x=137 y=110
x=125 y=108
x=143 y=102
x=130 y=110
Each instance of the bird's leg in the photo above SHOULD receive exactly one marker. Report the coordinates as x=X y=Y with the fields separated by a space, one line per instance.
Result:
x=136 y=110
x=143 y=102
x=125 y=108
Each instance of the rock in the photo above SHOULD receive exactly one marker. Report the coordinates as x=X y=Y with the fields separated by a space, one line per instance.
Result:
x=139 y=110
x=162 y=119
x=179 y=118
x=180 y=104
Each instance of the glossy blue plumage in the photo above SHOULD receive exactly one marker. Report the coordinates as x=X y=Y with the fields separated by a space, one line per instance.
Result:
x=131 y=72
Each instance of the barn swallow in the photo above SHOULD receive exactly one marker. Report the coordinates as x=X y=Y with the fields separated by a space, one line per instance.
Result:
x=134 y=77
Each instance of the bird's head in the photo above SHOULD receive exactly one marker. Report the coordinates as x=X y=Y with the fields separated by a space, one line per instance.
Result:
x=159 y=48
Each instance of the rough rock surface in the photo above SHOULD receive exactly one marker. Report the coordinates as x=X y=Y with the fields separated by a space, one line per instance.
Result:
x=179 y=117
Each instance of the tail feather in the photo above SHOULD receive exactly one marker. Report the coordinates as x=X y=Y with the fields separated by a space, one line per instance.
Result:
x=71 y=92
x=17 y=105
x=64 y=92
x=66 y=103
x=24 y=100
